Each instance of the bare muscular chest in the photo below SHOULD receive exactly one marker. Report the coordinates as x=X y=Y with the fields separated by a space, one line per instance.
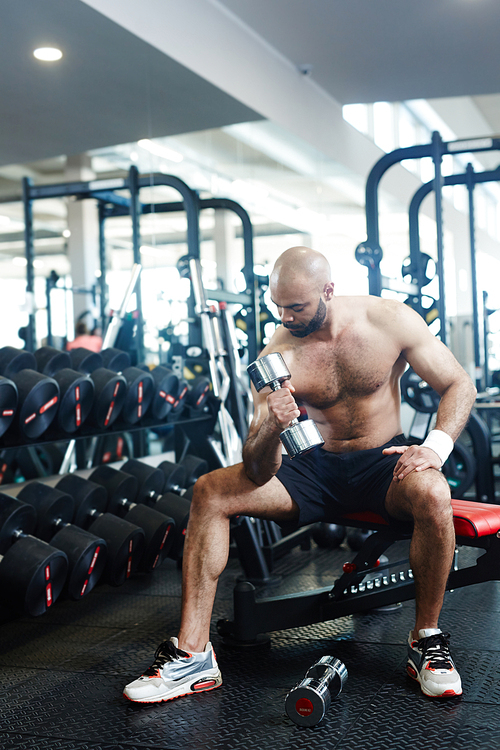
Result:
x=324 y=375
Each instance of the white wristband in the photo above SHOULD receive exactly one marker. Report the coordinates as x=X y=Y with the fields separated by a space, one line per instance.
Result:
x=440 y=442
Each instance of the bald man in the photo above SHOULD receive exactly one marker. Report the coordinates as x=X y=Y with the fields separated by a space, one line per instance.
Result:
x=346 y=356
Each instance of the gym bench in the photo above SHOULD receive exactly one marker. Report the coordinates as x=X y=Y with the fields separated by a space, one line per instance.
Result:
x=365 y=583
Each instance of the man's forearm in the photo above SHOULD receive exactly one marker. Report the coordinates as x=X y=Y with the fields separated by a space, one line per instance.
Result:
x=262 y=455
x=454 y=408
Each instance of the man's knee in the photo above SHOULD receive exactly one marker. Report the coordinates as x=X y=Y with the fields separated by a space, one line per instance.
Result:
x=431 y=500
x=212 y=490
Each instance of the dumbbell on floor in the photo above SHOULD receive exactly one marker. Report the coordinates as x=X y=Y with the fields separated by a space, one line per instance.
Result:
x=86 y=553
x=299 y=437
x=307 y=702
x=158 y=528
x=32 y=573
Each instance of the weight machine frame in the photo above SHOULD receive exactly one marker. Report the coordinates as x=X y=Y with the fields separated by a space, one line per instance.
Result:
x=469 y=178
x=369 y=252
x=365 y=584
x=112 y=204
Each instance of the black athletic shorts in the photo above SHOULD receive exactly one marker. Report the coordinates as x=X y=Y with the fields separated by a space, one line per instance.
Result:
x=324 y=484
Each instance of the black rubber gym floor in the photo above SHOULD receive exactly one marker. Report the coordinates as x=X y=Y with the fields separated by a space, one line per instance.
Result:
x=62 y=674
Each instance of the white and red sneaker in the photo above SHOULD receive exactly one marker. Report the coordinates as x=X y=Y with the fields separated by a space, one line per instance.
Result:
x=430 y=664
x=175 y=673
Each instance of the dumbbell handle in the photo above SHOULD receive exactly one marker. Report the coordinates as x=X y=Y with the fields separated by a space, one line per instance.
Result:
x=276 y=386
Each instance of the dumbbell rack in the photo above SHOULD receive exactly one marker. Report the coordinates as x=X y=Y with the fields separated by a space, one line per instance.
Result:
x=193 y=430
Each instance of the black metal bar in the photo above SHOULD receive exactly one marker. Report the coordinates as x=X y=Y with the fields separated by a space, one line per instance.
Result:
x=48 y=289
x=103 y=287
x=135 y=212
x=250 y=553
x=191 y=204
x=30 y=269
x=82 y=189
x=485 y=339
x=481 y=442
x=472 y=237
x=468 y=178
x=253 y=323
x=437 y=156
x=372 y=243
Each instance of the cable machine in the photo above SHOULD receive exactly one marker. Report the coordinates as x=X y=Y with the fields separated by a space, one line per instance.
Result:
x=469 y=178
x=369 y=252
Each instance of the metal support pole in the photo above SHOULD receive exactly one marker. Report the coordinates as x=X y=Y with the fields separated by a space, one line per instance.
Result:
x=475 y=309
x=30 y=269
x=486 y=330
x=135 y=211
x=437 y=156
x=103 y=290
x=48 y=289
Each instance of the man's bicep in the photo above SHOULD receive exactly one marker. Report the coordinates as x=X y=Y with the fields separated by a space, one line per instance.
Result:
x=435 y=363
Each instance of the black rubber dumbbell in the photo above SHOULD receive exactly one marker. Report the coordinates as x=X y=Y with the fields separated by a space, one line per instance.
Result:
x=307 y=703
x=86 y=553
x=198 y=393
x=85 y=360
x=328 y=535
x=166 y=390
x=8 y=403
x=110 y=392
x=175 y=498
x=121 y=489
x=166 y=477
x=125 y=542
x=180 y=402
x=115 y=359
x=38 y=395
x=32 y=573
x=140 y=392
x=76 y=388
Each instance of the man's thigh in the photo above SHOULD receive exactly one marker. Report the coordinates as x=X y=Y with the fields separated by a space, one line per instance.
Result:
x=240 y=496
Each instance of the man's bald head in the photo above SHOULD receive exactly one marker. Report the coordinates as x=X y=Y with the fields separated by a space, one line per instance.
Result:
x=301 y=289
x=298 y=265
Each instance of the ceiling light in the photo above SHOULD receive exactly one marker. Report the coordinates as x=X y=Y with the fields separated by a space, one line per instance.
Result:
x=66 y=233
x=18 y=261
x=47 y=54
x=158 y=150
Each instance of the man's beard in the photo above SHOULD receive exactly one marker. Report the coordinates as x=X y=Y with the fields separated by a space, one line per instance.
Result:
x=314 y=324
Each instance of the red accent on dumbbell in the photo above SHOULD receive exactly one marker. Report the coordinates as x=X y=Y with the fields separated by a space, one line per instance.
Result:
x=110 y=411
x=50 y=403
x=304 y=707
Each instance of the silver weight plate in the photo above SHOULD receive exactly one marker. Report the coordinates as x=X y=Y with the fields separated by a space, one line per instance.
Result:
x=301 y=438
x=268 y=369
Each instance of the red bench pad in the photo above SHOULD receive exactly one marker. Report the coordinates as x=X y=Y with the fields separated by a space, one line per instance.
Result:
x=470 y=518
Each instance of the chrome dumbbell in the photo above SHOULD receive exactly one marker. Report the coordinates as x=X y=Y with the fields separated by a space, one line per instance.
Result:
x=308 y=702
x=298 y=437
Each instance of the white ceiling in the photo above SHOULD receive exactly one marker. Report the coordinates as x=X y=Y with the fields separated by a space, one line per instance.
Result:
x=385 y=50
x=114 y=88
